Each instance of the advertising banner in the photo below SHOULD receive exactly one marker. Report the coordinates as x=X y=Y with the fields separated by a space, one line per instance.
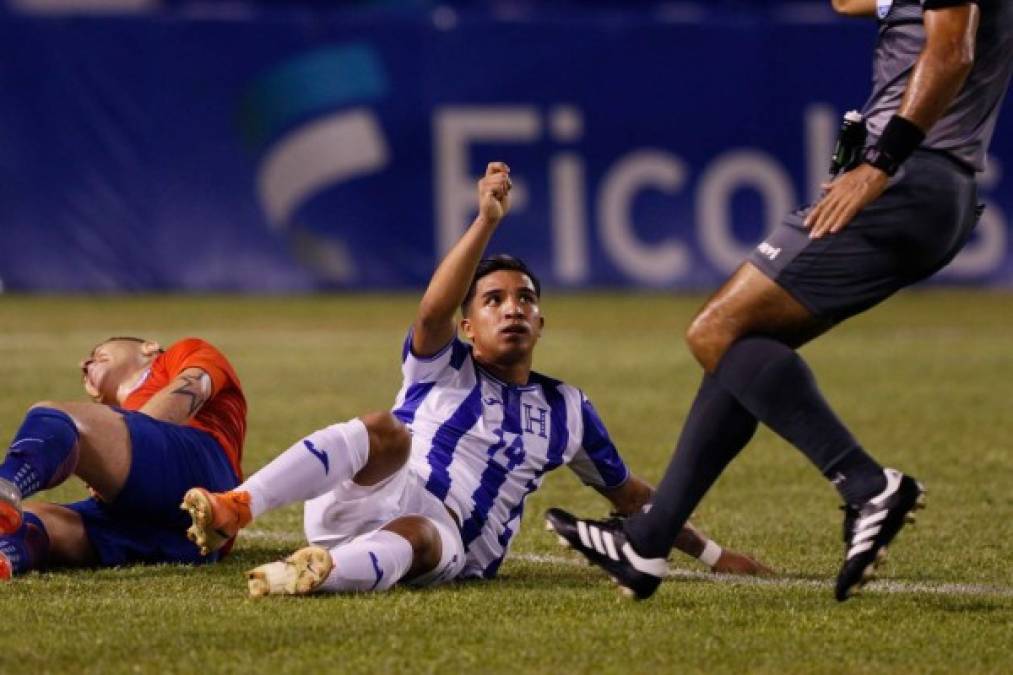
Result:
x=288 y=151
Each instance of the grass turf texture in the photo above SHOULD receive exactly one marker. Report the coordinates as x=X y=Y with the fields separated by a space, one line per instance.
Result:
x=925 y=382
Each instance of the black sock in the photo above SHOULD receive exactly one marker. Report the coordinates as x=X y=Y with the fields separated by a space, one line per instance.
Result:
x=857 y=477
x=773 y=382
x=716 y=429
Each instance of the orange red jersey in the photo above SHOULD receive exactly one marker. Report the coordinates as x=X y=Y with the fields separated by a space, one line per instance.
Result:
x=223 y=415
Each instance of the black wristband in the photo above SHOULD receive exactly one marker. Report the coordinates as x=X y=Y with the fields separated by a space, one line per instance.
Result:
x=900 y=138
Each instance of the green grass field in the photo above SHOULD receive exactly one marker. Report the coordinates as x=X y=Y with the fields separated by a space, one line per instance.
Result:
x=926 y=381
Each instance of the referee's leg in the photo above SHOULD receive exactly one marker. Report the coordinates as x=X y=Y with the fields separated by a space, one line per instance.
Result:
x=745 y=338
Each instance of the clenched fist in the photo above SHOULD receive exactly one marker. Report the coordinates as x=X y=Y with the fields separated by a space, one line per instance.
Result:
x=494 y=192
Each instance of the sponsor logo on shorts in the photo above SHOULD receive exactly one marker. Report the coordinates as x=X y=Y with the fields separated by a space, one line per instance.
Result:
x=768 y=251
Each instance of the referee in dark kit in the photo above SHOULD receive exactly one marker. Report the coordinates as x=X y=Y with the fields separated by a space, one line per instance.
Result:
x=897 y=214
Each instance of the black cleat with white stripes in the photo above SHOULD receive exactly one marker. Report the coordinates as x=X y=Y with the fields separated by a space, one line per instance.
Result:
x=604 y=544
x=870 y=527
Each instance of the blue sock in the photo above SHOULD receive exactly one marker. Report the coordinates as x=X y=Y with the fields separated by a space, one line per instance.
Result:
x=716 y=429
x=773 y=382
x=28 y=548
x=43 y=453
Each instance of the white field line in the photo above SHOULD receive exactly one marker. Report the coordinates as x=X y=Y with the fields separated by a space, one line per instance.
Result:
x=884 y=586
x=799 y=582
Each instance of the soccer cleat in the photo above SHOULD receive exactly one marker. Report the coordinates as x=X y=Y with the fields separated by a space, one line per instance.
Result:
x=299 y=574
x=604 y=544
x=10 y=508
x=870 y=527
x=6 y=568
x=217 y=517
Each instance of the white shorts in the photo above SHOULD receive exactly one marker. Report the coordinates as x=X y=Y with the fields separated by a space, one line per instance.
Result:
x=353 y=510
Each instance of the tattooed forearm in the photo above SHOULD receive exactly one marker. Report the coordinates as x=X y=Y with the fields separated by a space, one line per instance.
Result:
x=196 y=388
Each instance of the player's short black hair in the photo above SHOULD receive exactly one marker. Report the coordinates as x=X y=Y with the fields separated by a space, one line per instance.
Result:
x=495 y=263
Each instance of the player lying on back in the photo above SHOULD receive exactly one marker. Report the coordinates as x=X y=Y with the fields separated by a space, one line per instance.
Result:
x=435 y=490
x=163 y=421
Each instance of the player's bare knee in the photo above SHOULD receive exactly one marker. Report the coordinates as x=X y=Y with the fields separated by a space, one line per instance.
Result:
x=424 y=538
x=389 y=439
x=708 y=339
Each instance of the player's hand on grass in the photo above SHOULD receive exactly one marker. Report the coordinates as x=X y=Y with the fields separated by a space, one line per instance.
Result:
x=731 y=562
x=844 y=198
x=494 y=192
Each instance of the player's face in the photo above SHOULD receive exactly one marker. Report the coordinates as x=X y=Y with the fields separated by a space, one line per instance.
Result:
x=504 y=320
x=109 y=365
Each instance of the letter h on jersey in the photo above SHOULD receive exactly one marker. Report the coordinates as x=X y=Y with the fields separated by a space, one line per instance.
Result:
x=530 y=420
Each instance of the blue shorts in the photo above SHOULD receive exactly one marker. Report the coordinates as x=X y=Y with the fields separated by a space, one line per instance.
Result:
x=144 y=524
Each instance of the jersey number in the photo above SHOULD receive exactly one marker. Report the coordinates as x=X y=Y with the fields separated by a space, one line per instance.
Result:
x=513 y=453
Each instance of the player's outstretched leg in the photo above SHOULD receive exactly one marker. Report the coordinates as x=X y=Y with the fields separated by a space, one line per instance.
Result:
x=413 y=548
x=604 y=544
x=367 y=450
x=870 y=527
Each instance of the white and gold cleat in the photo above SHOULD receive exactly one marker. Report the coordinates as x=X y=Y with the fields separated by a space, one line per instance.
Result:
x=299 y=574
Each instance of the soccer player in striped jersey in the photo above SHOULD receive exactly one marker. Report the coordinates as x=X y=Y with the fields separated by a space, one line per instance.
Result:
x=435 y=489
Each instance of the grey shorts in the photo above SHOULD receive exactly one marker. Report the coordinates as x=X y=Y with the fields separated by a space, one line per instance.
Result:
x=915 y=228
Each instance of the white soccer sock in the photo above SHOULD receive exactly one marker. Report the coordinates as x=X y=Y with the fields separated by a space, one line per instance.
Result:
x=311 y=467
x=372 y=562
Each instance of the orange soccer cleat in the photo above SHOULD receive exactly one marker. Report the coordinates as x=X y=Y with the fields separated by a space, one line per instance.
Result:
x=11 y=516
x=6 y=568
x=217 y=517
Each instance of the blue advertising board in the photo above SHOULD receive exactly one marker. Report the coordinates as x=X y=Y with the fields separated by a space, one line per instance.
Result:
x=292 y=151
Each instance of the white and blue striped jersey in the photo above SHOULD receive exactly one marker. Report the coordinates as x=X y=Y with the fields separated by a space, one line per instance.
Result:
x=482 y=446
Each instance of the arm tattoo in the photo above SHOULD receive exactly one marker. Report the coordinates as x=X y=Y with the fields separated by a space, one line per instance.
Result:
x=194 y=387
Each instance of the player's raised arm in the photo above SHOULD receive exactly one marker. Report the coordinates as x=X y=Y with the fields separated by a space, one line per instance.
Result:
x=937 y=77
x=854 y=7
x=434 y=324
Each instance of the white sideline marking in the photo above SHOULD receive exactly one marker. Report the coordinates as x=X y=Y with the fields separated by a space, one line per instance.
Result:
x=796 y=582
x=884 y=586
